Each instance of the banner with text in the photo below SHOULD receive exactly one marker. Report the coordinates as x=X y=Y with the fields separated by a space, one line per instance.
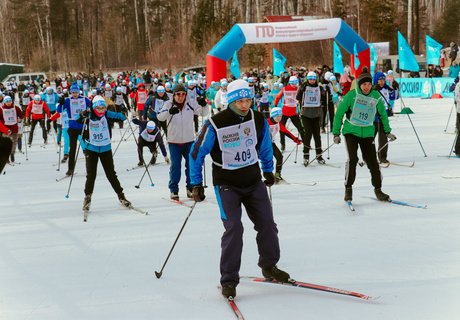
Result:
x=425 y=87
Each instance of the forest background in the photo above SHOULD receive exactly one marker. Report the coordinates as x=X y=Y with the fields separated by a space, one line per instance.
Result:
x=89 y=35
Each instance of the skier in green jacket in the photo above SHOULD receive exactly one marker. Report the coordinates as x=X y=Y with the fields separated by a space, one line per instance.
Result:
x=360 y=106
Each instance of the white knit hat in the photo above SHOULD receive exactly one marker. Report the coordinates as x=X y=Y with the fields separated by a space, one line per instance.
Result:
x=238 y=89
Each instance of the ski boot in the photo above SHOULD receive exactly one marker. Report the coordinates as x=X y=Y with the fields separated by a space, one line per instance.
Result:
x=306 y=159
x=124 y=202
x=64 y=159
x=154 y=159
x=189 y=194
x=69 y=173
x=86 y=202
x=274 y=273
x=381 y=195
x=12 y=158
x=278 y=177
x=174 y=196
x=321 y=160
x=140 y=163
x=229 y=290
x=348 y=194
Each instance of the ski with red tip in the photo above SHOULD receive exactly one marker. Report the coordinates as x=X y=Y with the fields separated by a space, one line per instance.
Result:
x=311 y=286
x=231 y=302
x=179 y=202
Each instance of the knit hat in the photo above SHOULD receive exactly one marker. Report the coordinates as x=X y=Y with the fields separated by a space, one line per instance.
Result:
x=7 y=99
x=238 y=89
x=151 y=125
x=293 y=80
x=179 y=88
x=311 y=75
x=161 y=89
x=364 y=77
x=98 y=101
x=74 y=88
x=276 y=112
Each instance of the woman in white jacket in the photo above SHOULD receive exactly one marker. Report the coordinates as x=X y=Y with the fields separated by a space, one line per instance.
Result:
x=457 y=102
x=178 y=115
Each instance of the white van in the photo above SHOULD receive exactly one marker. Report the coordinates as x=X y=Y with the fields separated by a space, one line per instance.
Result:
x=24 y=77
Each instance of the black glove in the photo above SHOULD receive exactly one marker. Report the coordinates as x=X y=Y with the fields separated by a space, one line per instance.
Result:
x=124 y=110
x=201 y=101
x=269 y=179
x=84 y=114
x=198 y=193
x=174 y=110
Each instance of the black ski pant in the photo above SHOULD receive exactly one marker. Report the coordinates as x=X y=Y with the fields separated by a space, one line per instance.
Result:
x=383 y=141
x=163 y=126
x=49 y=122
x=296 y=122
x=32 y=129
x=5 y=148
x=328 y=110
x=109 y=169
x=279 y=157
x=368 y=152
x=457 y=139
x=152 y=147
x=311 y=128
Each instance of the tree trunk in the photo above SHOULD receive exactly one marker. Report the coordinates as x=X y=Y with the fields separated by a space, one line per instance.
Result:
x=409 y=22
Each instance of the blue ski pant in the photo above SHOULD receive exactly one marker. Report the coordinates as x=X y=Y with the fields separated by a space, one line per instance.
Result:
x=177 y=152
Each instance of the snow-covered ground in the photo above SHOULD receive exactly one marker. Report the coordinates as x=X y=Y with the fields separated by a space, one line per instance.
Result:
x=55 y=266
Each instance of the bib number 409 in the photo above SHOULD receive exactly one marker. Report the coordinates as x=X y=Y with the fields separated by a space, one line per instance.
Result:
x=243 y=155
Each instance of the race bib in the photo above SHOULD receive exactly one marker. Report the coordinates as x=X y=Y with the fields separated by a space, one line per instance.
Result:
x=119 y=99
x=99 y=132
x=50 y=99
x=238 y=145
x=9 y=116
x=64 y=119
x=312 y=97
x=142 y=97
x=37 y=108
x=364 y=111
x=77 y=106
x=289 y=99
x=25 y=101
x=158 y=105
x=148 y=137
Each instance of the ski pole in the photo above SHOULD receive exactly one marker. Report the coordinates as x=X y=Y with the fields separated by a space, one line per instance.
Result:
x=158 y=274
x=25 y=145
x=121 y=139
x=319 y=155
x=76 y=157
x=327 y=122
x=296 y=151
x=60 y=148
x=448 y=120
x=290 y=154
x=146 y=166
x=415 y=131
x=453 y=145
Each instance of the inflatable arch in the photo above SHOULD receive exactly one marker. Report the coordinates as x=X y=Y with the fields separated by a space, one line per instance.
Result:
x=292 y=31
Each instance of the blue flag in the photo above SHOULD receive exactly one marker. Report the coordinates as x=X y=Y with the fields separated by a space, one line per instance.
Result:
x=433 y=51
x=235 y=66
x=338 y=64
x=278 y=62
x=355 y=53
x=407 y=59
x=373 y=58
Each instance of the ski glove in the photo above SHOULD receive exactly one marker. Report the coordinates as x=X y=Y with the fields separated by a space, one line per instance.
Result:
x=167 y=160
x=337 y=139
x=391 y=137
x=297 y=141
x=201 y=101
x=84 y=114
x=198 y=193
x=174 y=110
x=269 y=179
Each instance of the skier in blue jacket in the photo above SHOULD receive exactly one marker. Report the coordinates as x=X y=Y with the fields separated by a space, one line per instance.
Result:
x=236 y=138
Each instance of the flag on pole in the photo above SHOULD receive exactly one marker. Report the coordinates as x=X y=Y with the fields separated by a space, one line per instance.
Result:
x=235 y=66
x=433 y=51
x=373 y=58
x=338 y=64
x=278 y=62
x=355 y=54
x=407 y=59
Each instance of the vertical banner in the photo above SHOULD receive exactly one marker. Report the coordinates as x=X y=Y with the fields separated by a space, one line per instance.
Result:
x=433 y=51
x=235 y=66
x=338 y=63
x=374 y=58
x=278 y=62
x=407 y=59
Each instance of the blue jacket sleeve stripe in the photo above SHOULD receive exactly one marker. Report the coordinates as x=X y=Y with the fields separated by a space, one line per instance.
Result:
x=266 y=149
x=200 y=148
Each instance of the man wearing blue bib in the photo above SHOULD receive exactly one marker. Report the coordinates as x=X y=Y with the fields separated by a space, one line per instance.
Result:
x=237 y=138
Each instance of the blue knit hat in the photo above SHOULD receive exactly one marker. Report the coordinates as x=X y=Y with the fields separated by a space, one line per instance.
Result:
x=74 y=88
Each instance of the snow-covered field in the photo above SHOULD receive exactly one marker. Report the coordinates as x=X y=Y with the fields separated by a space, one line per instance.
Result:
x=55 y=266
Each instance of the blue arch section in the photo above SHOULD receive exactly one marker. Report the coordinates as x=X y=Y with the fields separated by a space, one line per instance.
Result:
x=347 y=38
x=233 y=41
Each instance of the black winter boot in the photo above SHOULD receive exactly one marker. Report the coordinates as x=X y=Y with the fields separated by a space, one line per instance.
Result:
x=348 y=194
x=381 y=195
x=276 y=274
